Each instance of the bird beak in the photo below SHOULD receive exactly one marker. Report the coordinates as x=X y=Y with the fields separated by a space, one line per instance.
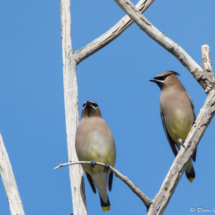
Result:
x=152 y=80
x=88 y=104
x=156 y=81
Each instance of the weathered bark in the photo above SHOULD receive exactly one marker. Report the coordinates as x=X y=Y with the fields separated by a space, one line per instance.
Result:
x=71 y=110
x=10 y=186
x=207 y=67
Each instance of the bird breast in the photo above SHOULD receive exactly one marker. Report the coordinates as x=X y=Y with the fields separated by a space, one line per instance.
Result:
x=94 y=141
x=178 y=115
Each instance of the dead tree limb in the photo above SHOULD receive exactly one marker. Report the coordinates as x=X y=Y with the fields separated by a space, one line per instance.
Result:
x=125 y=179
x=71 y=110
x=10 y=186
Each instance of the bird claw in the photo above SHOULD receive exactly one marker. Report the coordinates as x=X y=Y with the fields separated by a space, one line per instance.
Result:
x=182 y=144
x=92 y=164
x=107 y=167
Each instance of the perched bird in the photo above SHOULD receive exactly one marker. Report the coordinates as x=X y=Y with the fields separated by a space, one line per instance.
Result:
x=94 y=142
x=177 y=113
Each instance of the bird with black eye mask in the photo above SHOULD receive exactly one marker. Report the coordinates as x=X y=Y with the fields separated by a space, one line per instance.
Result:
x=177 y=113
x=94 y=142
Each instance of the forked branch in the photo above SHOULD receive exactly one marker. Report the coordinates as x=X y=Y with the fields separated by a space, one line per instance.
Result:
x=125 y=179
x=205 y=80
x=111 y=34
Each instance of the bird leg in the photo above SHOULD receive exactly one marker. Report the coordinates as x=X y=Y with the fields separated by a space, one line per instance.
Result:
x=92 y=164
x=181 y=142
x=107 y=167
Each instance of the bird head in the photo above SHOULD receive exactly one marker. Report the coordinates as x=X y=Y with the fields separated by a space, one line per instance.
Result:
x=166 y=79
x=90 y=109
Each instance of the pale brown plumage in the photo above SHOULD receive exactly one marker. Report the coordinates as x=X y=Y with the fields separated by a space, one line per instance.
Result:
x=177 y=113
x=94 y=141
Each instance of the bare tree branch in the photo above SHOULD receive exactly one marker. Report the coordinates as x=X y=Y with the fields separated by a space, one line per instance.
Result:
x=203 y=78
x=125 y=179
x=11 y=189
x=111 y=34
x=71 y=110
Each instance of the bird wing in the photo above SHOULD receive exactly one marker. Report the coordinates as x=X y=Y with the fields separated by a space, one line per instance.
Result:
x=191 y=102
x=110 y=181
x=194 y=115
x=171 y=141
x=91 y=182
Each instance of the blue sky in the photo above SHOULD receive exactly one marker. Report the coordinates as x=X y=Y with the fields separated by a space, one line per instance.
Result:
x=32 y=119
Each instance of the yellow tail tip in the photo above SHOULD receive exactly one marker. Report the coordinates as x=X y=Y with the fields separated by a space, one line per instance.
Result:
x=191 y=180
x=106 y=208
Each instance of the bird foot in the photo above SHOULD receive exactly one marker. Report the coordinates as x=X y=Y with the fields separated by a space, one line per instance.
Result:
x=182 y=144
x=107 y=167
x=92 y=164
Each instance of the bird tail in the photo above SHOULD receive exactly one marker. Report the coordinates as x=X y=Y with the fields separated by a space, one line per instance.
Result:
x=105 y=205
x=190 y=172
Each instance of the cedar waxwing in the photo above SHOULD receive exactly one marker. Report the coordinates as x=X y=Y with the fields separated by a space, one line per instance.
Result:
x=177 y=113
x=94 y=142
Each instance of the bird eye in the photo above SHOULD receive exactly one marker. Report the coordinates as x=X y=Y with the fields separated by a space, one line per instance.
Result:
x=162 y=78
x=94 y=105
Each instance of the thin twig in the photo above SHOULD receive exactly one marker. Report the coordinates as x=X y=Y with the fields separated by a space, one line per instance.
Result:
x=125 y=179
